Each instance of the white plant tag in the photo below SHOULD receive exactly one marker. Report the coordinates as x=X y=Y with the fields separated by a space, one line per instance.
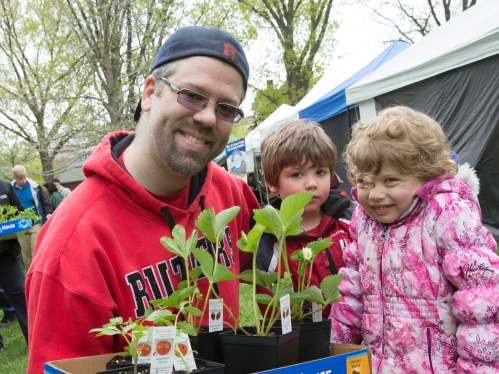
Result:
x=162 y=349
x=145 y=346
x=317 y=315
x=184 y=345
x=285 y=314
x=216 y=314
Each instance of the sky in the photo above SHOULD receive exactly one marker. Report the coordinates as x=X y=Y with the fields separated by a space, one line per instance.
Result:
x=360 y=40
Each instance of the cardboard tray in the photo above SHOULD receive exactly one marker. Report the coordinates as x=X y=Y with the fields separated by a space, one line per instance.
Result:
x=82 y=365
x=14 y=229
x=344 y=359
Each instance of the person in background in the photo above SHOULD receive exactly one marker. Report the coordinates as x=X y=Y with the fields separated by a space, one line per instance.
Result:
x=31 y=194
x=55 y=197
x=420 y=286
x=138 y=186
x=11 y=270
x=297 y=157
x=64 y=191
x=9 y=313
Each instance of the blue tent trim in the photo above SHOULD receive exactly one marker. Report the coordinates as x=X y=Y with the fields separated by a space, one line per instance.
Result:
x=334 y=102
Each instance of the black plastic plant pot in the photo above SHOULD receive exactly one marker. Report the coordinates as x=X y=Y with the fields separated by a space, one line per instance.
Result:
x=208 y=346
x=118 y=362
x=210 y=367
x=315 y=338
x=250 y=354
x=120 y=367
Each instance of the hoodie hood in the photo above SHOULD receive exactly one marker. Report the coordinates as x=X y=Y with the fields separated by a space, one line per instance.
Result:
x=103 y=163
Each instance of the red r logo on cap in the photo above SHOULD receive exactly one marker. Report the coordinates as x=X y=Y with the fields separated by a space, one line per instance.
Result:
x=230 y=51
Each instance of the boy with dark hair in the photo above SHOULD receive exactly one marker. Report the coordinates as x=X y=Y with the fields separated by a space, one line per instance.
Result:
x=299 y=156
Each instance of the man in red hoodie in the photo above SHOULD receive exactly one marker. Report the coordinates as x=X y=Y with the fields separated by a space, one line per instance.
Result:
x=100 y=255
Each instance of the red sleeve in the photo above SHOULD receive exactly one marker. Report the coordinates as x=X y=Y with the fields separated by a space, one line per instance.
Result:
x=62 y=310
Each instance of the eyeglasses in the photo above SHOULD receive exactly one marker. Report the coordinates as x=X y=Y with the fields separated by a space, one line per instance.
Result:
x=193 y=100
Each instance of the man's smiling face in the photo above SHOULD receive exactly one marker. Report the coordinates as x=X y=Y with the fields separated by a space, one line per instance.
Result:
x=185 y=140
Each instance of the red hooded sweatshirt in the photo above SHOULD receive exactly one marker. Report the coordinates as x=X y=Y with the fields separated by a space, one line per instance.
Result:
x=100 y=255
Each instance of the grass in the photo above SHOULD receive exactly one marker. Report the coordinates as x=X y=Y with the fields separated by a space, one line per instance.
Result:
x=14 y=359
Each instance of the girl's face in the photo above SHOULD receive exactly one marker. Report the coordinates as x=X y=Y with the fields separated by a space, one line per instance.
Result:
x=388 y=195
x=308 y=177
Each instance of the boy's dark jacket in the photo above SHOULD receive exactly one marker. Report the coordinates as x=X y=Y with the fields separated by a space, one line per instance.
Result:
x=335 y=224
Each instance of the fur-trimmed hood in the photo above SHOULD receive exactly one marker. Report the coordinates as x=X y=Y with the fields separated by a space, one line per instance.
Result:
x=468 y=173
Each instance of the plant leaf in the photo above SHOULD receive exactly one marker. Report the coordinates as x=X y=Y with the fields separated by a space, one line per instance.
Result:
x=206 y=222
x=186 y=328
x=249 y=243
x=319 y=245
x=195 y=273
x=262 y=298
x=314 y=295
x=171 y=245
x=193 y=311
x=161 y=317
x=292 y=204
x=222 y=273
x=205 y=261
x=268 y=217
x=329 y=287
x=296 y=297
x=223 y=218
x=267 y=278
x=247 y=276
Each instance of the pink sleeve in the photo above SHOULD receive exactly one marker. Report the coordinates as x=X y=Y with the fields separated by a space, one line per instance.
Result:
x=346 y=315
x=472 y=266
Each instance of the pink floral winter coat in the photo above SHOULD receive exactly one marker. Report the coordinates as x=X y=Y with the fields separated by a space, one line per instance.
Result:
x=423 y=293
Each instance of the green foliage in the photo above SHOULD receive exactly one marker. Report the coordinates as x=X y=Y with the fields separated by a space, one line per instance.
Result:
x=212 y=225
x=268 y=100
x=131 y=330
x=283 y=223
x=296 y=34
x=9 y=212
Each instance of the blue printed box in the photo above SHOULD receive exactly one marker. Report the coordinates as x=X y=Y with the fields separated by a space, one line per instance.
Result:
x=344 y=359
x=14 y=229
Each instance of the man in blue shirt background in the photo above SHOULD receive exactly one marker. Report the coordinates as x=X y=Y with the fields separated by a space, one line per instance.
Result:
x=31 y=195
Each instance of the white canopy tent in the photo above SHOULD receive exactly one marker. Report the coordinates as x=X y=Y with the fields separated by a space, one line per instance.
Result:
x=468 y=37
x=286 y=113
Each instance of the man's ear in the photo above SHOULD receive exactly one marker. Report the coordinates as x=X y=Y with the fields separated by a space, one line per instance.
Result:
x=272 y=188
x=148 y=93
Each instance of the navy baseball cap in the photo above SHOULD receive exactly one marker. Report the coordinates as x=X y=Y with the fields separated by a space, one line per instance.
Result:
x=201 y=41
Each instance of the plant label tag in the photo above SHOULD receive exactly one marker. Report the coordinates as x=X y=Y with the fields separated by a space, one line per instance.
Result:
x=183 y=348
x=162 y=349
x=317 y=315
x=285 y=314
x=216 y=313
x=145 y=346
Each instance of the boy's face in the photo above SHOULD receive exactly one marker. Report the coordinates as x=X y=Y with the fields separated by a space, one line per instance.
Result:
x=308 y=177
x=388 y=195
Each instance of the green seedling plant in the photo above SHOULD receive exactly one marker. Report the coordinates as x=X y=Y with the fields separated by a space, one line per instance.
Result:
x=131 y=330
x=158 y=314
x=161 y=315
x=9 y=213
x=328 y=292
x=281 y=223
x=212 y=226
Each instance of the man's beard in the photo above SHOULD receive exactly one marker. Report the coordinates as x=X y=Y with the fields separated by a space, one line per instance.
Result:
x=179 y=159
